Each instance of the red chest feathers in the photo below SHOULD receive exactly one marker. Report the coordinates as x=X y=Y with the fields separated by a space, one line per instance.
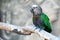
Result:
x=36 y=17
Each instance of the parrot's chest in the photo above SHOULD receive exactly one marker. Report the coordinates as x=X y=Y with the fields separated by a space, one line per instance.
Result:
x=37 y=21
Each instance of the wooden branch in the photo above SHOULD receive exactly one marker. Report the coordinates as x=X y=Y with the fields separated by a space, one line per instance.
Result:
x=23 y=31
x=5 y=27
x=11 y=28
x=47 y=36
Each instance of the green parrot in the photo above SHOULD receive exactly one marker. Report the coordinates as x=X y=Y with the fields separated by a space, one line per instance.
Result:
x=40 y=19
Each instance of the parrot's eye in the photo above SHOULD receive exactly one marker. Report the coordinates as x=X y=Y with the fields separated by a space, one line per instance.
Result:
x=32 y=11
x=36 y=7
x=33 y=7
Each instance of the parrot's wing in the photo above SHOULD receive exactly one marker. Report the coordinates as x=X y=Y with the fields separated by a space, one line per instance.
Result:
x=46 y=22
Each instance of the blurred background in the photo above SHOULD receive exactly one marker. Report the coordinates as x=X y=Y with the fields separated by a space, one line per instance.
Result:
x=17 y=12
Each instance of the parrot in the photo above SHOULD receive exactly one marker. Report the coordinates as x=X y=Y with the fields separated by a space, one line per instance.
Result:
x=40 y=19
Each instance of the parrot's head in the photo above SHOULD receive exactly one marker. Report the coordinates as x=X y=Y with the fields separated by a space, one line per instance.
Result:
x=36 y=10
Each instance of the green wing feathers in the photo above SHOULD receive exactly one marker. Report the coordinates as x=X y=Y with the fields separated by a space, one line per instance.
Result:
x=47 y=25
